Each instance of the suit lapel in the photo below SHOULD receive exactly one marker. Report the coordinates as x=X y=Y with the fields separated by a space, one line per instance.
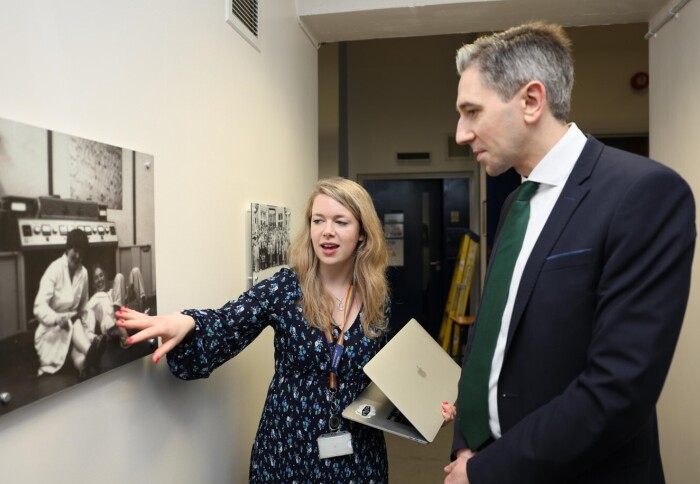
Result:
x=573 y=193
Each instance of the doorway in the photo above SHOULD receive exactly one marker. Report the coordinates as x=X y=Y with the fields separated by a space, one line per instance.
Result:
x=423 y=219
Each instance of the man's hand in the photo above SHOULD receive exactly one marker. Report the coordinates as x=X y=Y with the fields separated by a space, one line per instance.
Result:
x=457 y=469
x=64 y=320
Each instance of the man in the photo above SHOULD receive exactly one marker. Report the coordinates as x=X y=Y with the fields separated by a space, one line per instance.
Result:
x=62 y=294
x=594 y=302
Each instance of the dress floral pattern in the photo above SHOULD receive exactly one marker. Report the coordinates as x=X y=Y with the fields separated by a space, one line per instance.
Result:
x=297 y=407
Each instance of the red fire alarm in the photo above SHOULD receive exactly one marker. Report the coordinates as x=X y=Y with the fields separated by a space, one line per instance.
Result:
x=639 y=81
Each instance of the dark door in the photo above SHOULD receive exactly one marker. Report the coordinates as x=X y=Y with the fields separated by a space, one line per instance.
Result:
x=422 y=218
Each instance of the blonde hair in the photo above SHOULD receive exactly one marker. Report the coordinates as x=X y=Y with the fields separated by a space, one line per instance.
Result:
x=369 y=265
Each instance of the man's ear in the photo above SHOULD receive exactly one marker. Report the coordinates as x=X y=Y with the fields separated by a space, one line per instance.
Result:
x=534 y=99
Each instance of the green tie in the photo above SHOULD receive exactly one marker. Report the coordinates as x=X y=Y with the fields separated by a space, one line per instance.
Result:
x=473 y=403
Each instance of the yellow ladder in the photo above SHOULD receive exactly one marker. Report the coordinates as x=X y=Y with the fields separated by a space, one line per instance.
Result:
x=458 y=295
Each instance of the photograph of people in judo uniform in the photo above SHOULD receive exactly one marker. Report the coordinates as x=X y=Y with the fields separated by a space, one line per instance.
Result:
x=76 y=244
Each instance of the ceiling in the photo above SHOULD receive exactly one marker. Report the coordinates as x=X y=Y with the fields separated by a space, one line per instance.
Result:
x=339 y=20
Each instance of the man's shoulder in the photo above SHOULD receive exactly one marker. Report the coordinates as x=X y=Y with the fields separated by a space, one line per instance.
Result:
x=619 y=164
x=57 y=265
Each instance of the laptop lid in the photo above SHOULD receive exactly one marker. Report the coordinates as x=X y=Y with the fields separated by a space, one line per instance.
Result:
x=416 y=375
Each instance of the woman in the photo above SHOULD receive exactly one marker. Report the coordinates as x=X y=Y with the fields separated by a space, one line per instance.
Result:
x=334 y=298
x=98 y=314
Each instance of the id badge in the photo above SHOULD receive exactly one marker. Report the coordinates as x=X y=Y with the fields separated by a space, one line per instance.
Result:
x=336 y=353
x=334 y=444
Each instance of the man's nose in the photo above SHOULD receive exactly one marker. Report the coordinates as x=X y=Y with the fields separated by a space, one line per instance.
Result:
x=463 y=134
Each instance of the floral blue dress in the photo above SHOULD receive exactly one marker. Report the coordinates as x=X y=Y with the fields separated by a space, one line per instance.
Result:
x=297 y=407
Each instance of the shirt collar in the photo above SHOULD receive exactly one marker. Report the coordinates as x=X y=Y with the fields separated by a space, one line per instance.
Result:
x=556 y=166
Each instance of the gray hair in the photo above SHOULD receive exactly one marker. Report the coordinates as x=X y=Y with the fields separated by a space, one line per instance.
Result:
x=531 y=52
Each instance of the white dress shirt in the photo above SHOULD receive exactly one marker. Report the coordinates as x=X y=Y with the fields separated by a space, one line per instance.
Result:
x=551 y=173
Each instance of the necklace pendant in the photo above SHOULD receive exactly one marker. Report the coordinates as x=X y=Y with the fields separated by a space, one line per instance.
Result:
x=341 y=306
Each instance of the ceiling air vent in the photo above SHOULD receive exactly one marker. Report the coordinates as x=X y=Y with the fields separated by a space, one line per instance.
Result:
x=242 y=15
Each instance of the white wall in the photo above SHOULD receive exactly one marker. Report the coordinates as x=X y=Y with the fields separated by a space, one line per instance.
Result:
x=401 y=94
x=401 y=98
x=227 y=125
x=605 y=59
x=674 y=127
x=328 y=111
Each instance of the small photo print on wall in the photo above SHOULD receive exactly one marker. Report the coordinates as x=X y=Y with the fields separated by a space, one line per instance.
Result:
x=76 y=243
x=269 y=240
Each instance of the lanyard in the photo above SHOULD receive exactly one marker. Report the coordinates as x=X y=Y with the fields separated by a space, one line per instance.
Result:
x=337 y=347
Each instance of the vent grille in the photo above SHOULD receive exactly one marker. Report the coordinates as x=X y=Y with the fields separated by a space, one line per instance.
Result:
x=242 y=15
x=247 y=12
x=413 y=157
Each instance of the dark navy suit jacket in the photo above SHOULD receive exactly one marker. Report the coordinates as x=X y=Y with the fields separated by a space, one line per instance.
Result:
x=595 y=324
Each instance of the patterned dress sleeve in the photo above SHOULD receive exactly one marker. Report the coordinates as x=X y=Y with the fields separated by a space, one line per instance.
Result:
x=220 y=334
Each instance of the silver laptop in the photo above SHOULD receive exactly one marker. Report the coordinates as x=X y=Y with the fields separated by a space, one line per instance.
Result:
x=411 y=377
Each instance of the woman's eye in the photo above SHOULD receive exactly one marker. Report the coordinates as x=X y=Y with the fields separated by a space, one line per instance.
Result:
x=342 y=222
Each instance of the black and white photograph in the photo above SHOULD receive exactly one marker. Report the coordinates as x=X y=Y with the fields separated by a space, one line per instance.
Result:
x=270 y=238
x=76 y=244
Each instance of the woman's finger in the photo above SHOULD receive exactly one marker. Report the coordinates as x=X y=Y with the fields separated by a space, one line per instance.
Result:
x=449 y=411
x=164 y=349
x=129 y=314
x=139 y=323
x=171 y=329
x=143 y=335
x=125 y=311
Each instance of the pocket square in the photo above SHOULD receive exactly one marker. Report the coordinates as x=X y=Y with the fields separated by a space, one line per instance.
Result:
x=569 y=254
